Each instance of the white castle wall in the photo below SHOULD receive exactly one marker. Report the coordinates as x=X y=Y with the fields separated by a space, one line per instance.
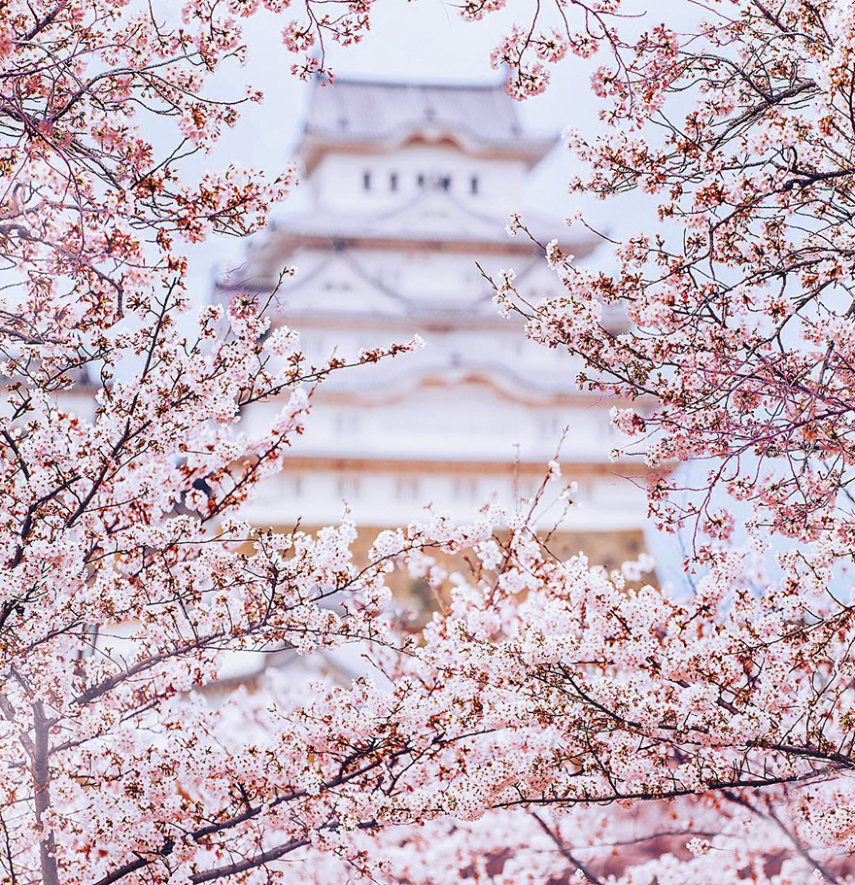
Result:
x=447 y=424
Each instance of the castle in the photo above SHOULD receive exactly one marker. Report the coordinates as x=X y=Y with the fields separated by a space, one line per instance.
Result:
x=410 y=185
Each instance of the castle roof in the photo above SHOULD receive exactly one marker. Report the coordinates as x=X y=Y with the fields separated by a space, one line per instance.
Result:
x=431 y=218
x=480 y=118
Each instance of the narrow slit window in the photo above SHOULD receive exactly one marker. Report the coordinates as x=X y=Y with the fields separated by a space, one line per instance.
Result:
x=366 y=181
x=473 y=185
x=393 y=181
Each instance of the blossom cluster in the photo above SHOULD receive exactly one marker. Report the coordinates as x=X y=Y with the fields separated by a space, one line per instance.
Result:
x=716 y=729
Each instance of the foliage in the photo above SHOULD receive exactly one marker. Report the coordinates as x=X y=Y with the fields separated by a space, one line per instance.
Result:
x=551 y=720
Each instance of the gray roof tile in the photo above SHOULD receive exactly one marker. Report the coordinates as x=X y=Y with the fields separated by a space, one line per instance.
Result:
x=369 y=111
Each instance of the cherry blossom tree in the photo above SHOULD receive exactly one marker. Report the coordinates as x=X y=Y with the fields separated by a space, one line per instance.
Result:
x=552 y=721
x=738 y=351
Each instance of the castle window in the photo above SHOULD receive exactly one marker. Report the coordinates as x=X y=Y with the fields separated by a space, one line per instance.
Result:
x=465 y=488
x=393 y=182
x=366 y=181
x=348 y=486
x=346 y=423
x=445 y=183
x=420 y=180
x=473 y=185
x=406 y=488
x=551 y=425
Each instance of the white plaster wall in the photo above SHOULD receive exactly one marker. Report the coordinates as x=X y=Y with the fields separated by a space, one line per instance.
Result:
x=338 y=179
x=397 y=497
x=479 y=394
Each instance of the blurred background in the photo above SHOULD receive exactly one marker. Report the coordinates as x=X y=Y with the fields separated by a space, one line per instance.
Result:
x=411 y=164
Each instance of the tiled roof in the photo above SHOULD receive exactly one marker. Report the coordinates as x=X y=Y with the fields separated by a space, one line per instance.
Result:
x=374 y=111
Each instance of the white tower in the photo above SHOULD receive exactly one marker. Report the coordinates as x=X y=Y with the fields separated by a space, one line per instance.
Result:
x=411 y=184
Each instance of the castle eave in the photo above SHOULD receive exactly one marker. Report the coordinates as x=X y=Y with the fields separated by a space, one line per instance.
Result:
x=316 y=145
